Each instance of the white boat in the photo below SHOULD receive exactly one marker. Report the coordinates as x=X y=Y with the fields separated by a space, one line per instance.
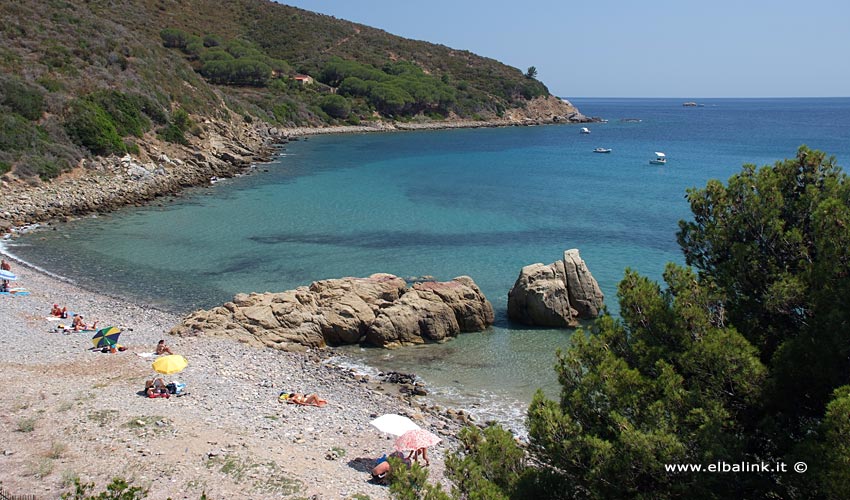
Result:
x=602 y=150
x=584 y=130
x=660 y=159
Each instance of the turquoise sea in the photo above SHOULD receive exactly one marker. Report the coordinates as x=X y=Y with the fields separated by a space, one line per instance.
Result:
x=481 y=202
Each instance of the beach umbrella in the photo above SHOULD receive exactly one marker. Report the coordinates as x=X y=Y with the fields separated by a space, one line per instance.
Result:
x=169 y=365
x=394 y=424
x=106 y=337
x=415 y=439
x=7 y=275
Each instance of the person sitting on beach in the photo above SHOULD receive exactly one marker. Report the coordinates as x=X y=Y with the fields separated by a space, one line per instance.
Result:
x=300 y=399
x=5 y=265
x=78 y=324
x=382 y=466
x=156 y=388
x=56 y=311
x=161 y=348
x=64 y=313
x=414 y=454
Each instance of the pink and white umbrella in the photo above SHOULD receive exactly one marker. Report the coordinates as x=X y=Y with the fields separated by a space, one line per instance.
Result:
x=415 y=439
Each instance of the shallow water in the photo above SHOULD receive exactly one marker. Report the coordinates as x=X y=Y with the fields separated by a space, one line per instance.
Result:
x=481 y=202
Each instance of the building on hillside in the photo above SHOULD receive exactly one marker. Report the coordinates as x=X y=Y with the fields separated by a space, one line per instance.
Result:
x=303 y=79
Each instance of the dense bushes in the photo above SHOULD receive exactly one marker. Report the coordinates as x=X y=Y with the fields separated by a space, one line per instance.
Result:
x=336 y=106
x=400 y=88
x=235 y=62
x=237 y=72
x=90 y=126
x=175 y=130
x=100 y=120
x=21 y=98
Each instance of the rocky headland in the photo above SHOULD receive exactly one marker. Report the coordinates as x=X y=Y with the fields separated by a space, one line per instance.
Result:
x=556 y=295
x=380 y=310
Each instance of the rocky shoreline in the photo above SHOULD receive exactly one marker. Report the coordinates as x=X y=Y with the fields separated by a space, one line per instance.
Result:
x=224 y=149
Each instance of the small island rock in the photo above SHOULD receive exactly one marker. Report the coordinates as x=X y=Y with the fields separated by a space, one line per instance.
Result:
x=557 y=295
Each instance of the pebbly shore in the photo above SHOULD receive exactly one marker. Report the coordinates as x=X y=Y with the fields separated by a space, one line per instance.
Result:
x=70 y=412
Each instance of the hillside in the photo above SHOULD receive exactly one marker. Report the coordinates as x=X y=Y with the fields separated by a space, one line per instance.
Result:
x=81 y=79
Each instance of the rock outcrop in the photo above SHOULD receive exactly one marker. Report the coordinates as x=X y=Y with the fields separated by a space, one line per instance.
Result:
x=379 y=310
x=557 y=295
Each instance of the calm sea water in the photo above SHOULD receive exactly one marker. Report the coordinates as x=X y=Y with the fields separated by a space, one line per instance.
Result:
x=445 y=203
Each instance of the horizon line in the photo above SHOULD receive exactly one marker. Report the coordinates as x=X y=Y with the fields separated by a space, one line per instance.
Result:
x=692 y=98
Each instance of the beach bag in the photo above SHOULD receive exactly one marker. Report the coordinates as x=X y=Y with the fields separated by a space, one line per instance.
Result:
x=179 y=388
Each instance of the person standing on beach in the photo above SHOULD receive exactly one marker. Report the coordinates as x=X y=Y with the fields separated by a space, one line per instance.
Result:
x=5 y=265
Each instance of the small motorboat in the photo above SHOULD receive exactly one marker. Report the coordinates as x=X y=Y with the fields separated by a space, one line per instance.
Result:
x=660 y=159
x=602 y=150
x=584 y=130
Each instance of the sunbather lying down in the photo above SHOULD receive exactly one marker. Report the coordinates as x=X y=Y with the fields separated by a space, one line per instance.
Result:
x=300 y=399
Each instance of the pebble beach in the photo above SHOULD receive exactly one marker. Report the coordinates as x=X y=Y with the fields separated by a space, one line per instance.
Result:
x=70 y=412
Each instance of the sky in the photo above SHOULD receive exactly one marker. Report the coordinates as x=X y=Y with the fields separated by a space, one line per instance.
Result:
x=636 y=48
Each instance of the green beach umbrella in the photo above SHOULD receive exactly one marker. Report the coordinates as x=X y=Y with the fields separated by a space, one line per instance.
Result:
x=106 y=337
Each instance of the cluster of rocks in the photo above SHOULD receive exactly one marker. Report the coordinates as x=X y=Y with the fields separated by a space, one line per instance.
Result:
x=555 y=295
x=380 y=310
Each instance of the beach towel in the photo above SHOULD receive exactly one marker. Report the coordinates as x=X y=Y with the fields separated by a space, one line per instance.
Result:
x=145 y=354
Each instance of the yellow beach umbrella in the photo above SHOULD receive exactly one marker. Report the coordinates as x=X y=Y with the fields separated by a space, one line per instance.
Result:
x=169 y=365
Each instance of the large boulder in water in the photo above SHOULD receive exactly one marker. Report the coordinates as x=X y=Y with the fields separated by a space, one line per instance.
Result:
x=379 y=310
x=557 y=295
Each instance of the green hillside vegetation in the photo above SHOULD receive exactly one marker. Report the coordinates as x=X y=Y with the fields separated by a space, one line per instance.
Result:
x=84 y=78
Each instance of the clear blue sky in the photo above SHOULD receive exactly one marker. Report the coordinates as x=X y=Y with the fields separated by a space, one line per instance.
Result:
x=636 y=48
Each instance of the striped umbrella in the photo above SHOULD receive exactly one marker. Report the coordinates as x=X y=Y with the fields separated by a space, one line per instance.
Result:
x=7 y=275
x=106 y=337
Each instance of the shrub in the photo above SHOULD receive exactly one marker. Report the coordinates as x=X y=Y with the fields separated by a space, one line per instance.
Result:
x=175 y=130
x=21 y=98
x=174 y=38
x=4 y=167
x=90 y=126
x=118 y=489
x=47 y=168
x=19 y=134
x=335 y=106
x=50 y=84
x=211 y=40
x=125 y=111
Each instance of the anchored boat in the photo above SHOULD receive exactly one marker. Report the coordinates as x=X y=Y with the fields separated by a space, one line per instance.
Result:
x=660 y=159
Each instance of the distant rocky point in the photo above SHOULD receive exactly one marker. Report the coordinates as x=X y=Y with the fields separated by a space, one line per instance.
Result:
x=557 y=295
x=380 y=310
